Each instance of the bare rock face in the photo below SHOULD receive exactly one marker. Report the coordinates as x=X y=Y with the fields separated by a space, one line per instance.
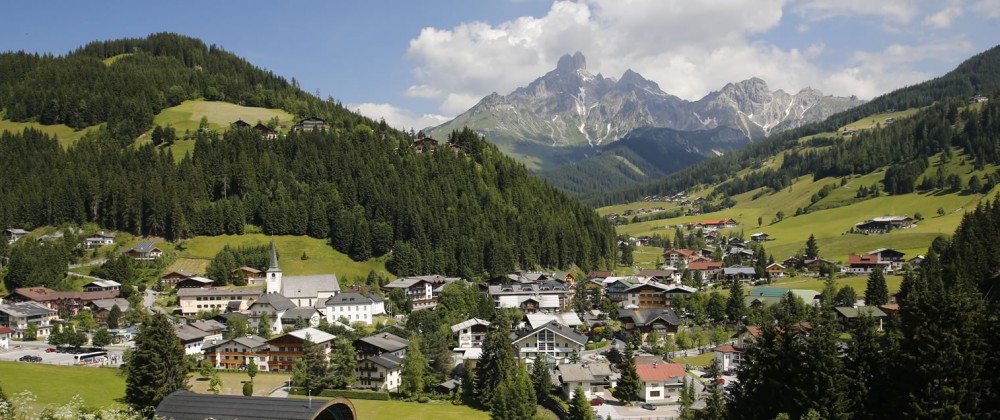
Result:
x=570 y=107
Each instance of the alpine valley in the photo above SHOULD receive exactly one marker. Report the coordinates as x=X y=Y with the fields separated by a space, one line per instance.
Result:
x=569 y=113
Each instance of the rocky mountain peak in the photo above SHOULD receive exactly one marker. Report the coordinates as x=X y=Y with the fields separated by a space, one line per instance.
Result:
x=571 y=63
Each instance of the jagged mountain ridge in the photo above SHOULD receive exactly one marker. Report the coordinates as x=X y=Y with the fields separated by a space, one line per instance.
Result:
x=571 y=107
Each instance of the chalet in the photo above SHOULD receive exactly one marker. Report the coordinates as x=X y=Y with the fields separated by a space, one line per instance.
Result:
x=662 y=322
x=310 y=124
x=677 y=291
x=380 y=360
x=847 y=132
x=739 y=273
x=5 y=334
x=790 y=261
x=422 y=290
x=661 y=382
x=883 y=224
x=59 y=301
x=272 y=305
x=194 y=281
x=354 y=307
x=645 y=295
x=194 y=300
x=849 y=314
x=101 y=308
x=192 y=338
x=889 y=255
x=551 y=295
x=286 y=349
x=569 y=319
x=864 y=264
x=236 y=353
x=643 y=240
x=171 y=278
x=98 y=240
x=265 y=131
x=557 y=342
x=240 y=124
x=425 y=144
x=471 y=332
x=617 y=290
x=673 y=257
x=760 y=237
x=729 y=357
x=708 y=269
x=189 y=405
x=776 y=270
x=714 y=224
x=600 y=274
x=18 y=316
x=144 y=251
x=915 y=261
x=253 y=276
x=101 y=286
x=978 y=99
x=664 y=276
x=13 y=234
x=593 y=378
x=308 y=315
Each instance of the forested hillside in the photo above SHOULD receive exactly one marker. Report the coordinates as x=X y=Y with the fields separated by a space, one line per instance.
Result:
x=472 y=212
x=945 y=124
x=126 y=82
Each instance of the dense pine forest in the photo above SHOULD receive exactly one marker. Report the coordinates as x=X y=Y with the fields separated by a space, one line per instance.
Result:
x=936 y=358
x=472 y=212
x=945 y=124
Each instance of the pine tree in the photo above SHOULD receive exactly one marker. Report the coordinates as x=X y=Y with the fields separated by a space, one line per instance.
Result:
x=876 y=292
x=156 y=366
x=309 y=371
x=264 y=325
x=541 y=379
x=515 y=398
x=629 y=385
x=252 y=368
x=735 y=307
x=715 y=404
x=414 y=367
x=579 y=407
x=114 y=317
x=342 y=363
x=812 y=249
x=496 y=363
x=865 y=364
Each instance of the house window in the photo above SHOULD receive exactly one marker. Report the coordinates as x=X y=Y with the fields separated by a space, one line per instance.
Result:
x=654 y=393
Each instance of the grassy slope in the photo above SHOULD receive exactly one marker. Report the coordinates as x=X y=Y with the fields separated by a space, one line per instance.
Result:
x=322 y=258
x=67 y=135
x=51 y=384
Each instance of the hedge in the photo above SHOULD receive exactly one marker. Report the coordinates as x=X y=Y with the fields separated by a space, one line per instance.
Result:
x=355 y=394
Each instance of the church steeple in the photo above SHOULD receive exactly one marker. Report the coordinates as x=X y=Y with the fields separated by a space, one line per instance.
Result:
x=274 y=272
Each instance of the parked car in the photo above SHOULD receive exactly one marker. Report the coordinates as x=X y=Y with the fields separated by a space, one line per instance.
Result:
x=597 y=401
x=649 y=406
x=25 y=358
x=50 y=350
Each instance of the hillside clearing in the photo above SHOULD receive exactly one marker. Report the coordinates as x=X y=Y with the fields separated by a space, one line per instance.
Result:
x=67 y=135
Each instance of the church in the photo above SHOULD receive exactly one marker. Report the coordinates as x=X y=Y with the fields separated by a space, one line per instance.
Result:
x=308 y=291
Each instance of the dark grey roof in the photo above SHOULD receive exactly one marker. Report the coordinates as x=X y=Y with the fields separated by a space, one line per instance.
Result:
x=188 y=333
x=309 y=286
x=584 y=372
x=352 y=298
x=186 y=405
x=293 y=314
x=278 y=301
x=274 y=258
x=26 y=309
x=208 y=325
x=386 y=360
x=387 y=342
x=143 y=247
x=643 y=317
x=560 y=329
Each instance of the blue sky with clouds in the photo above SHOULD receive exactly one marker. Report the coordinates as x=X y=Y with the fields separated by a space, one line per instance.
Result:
x=417 y=63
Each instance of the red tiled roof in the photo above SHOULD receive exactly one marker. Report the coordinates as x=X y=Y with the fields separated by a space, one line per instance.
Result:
x=704 y=265
x=659 y=371
x=862 y=259
x=682 y=251
x=726 y=348
x=5 y=330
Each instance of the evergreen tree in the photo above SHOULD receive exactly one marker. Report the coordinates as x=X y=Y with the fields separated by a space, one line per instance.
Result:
x=812 y=249
x=215 y=384
x=247 y=389
x=715 y=405
x=629 y=385
x=236 y=327
x=877 y=291
x=156 y=367
x=414 y=367
x=735 y=307
x=515 y=398
x=114 y=317
x=309 y=371
x=496 y=363
x=541 y=379
x=715 y=308
x=579 y=407
x=252 y=368
x=866 y=367
x=846 y=296
x=264 y=325
x=341 y=369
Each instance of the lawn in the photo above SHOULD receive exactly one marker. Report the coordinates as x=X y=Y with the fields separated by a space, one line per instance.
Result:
x=858 y=283
x=51 y=384
x=232 y=383
x=187 y=115
x=376 y=410
x=322 y=259
x=700 y=360
x=66 y=134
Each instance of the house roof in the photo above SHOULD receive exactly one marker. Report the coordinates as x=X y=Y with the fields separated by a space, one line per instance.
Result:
x=881 y=250
x=122 y=303
x=248 y=269
x=569 y=319
x=386 y=360
x=583 y=372
x=776 y=265
x=295 y=287
x=293 y=314
x=16 y=231
x=405 y=282
x=312 y=334
x=276 y=300
x=559 y=329
x=143 y=247
x=807 y=295
x=208 y=325
x=853 y=312
x=182 y=273
x=680 y=289
x=659 y=371
x=735 y=271
x=600 y=274
x=657 y=273
x=249 y=341
x=863 y=260
x=102 y=283
x=218 y=291
x=5 y=330
x=350 y=298
x=186 y=405
x=101 y=235
x=704 y=265
x=188 y=333
x=726 y=348
x=44 y=294
x=645 y=316
x=387 y=342
x=468 y=323
x=659 y=287
x=682 y=251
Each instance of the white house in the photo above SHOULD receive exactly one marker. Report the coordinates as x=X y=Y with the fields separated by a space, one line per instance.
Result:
x=18 y=316
x=594 y=378
x=98 y=240
x=355 y=307
x=236 y=353
x=5 y=334
x=557 y=342
x=194 y=300
x=274 y=305
x=422 y=290
x=471 y=332
x=661 y=382
x=380 y=360
x=729 y=357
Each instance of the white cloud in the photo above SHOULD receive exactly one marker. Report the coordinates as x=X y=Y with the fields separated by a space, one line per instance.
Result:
x=946 y=16
x=871 y=73
x=989 y=9
x=397 y=117
x=894 y=11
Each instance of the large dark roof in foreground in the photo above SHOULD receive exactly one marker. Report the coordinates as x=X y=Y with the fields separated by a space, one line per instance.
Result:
x=186 y=405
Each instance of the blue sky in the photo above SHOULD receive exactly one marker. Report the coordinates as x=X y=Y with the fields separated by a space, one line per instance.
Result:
x=417 y=63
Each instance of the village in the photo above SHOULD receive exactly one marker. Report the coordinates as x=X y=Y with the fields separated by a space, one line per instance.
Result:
x=569 y=322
